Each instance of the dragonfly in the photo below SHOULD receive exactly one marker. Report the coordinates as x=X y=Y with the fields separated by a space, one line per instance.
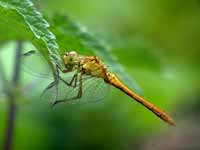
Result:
x=89 y=78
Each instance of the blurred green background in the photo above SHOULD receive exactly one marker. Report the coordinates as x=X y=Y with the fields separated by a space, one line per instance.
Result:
x=158 y=44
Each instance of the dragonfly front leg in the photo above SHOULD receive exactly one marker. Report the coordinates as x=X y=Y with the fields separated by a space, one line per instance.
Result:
x=79 y=94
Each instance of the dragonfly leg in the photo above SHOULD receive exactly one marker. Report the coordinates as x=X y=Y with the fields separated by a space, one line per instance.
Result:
x=51 y=85
x=73 y=80
x=79 y=95
x=55 y=84
x=62 y=70
x=80 y=91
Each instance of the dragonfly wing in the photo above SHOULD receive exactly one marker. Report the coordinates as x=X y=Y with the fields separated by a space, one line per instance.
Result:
x=36 y=73
x=35 y=64
x=93 y=90
x=59 y=90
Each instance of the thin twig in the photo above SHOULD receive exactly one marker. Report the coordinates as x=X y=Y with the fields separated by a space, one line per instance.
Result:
x=11 y=99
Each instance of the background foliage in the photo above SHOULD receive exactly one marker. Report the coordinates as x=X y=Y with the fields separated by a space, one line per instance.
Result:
x=155 y=41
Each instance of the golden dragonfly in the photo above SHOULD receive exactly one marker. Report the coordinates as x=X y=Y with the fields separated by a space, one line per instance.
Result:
x=87 y=71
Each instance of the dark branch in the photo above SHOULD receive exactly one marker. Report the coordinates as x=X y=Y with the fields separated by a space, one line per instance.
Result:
x=11 y=99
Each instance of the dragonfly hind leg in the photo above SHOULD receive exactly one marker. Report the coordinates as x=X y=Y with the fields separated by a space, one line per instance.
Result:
x=79 y=95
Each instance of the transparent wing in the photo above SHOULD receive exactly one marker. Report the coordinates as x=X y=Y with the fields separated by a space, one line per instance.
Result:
x=36 y=73
x=93 y=90
x=35 y=64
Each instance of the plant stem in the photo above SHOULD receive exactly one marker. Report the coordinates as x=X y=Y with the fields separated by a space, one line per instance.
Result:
x=10 y=125
x=11 y=99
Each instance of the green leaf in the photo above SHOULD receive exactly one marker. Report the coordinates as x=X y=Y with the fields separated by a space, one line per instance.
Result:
x=20 y=20
x=74 y=36
x=138 y=53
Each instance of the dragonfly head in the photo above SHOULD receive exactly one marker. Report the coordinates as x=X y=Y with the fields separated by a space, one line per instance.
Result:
x=70 y=58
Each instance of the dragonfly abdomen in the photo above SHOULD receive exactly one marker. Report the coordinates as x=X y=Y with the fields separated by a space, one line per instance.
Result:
x=113 y=80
